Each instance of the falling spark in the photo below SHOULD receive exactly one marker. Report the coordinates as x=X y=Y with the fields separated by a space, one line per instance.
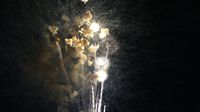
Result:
x=100 y=99
x=62 y=65
x=104 y=109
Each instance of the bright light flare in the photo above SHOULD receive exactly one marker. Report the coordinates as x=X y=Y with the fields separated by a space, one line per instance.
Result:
x=101 y=75
x=94 y=27
x=101 y=63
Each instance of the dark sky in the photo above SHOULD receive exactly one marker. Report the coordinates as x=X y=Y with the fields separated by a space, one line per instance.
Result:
x=152 y=71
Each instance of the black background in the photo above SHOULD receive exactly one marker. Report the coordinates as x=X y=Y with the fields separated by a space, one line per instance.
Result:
x=152 y=71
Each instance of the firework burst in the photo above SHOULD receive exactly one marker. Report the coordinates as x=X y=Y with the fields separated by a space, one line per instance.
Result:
x=83 y=56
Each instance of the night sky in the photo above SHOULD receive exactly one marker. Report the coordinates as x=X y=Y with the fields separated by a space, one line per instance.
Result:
x=153 y=69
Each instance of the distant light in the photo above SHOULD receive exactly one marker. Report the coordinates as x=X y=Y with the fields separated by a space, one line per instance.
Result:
x=94 y=27
x=101 y=75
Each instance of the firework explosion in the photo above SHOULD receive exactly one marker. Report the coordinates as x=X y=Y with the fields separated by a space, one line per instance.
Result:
x=85 y=69
x=57 y=56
